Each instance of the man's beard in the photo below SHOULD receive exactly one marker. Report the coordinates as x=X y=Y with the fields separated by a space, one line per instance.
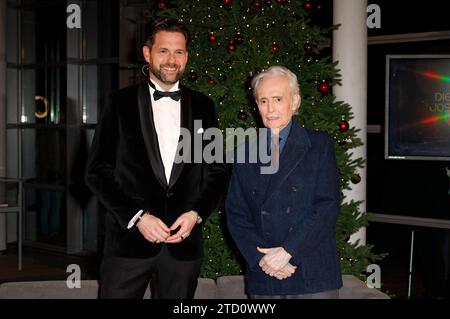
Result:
x=160 y=75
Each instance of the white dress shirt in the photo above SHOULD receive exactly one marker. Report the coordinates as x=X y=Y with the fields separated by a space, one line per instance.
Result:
x=166 y=116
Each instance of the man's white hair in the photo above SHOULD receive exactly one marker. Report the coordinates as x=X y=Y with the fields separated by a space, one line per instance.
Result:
x=277 y=70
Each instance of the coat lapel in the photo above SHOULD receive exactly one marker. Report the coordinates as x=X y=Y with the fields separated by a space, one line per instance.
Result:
x=294 y=150
x=186 y=122
x=149 y=133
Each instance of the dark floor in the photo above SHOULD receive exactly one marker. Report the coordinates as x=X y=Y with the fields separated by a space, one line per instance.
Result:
x=428 y=279
x=430 y=261
x=42 y=264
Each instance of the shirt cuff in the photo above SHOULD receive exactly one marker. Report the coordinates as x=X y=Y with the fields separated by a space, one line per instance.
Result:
x=135 y=219
x=199 y=219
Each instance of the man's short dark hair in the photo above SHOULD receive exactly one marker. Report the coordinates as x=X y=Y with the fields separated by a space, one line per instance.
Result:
x=166 y=24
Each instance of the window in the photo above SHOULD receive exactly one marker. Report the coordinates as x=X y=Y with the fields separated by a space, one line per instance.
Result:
x=57 y=80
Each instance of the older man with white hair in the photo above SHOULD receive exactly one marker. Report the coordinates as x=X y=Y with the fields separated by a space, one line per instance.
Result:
x=284 y=223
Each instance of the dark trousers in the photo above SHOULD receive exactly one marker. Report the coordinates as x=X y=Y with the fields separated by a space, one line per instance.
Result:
x=331 y=294
x=129 y=277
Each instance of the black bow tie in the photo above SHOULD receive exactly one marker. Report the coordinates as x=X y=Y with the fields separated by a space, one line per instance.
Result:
x=174 y=95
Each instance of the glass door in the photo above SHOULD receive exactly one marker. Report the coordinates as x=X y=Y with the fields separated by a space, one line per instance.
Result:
x=57 y=79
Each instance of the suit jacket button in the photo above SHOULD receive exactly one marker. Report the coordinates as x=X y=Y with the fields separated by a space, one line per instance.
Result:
x=294 y=188
x=169 y=195
x=288 y=210
x=263 y=212
x=253 y=193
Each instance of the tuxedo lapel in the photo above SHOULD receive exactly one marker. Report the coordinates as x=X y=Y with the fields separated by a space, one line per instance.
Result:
x=186 y=123
x=295 y=149
x=149 y=133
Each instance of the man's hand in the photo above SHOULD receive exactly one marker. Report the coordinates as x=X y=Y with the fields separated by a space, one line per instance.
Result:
x=274 y=260
x=186 y=222
x=285 y=272
x=153 y=229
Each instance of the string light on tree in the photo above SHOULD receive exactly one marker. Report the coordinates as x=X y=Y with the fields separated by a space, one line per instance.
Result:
x=309 y=58
x=342 y=143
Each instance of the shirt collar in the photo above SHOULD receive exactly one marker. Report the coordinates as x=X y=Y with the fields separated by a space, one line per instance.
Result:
x=176 y=86
x=283 y=136
x=285 y=131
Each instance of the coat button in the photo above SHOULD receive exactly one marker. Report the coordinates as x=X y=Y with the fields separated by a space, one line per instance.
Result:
x=288 y=210
x=169 y=195
x=294 y=188
x=253 y=193
x=263 y=212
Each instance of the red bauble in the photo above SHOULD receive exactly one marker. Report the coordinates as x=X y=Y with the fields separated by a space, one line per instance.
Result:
x=219 y=44
x=211 y=81
x=275 y=48
x=308 y=5
x=242 y=115
x=257 y=4
x=222 y=205
x=212 y=37
x=239 y=38
x=227 y=3
x=308 y=47
x=323 y=87
x=231 y=47
x=192 y=76
x=344 y=126
x=162 y=5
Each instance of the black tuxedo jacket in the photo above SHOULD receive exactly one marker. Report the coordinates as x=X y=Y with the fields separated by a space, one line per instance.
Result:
x=126 y=173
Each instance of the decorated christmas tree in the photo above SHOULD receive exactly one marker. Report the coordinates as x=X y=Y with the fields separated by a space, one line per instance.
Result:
x=231 y=42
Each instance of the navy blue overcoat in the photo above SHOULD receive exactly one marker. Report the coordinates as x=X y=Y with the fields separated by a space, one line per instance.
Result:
x=296 y=208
